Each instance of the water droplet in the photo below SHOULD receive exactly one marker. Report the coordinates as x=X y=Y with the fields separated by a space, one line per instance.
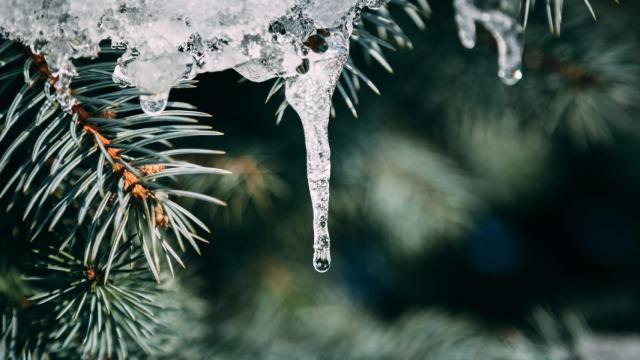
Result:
x=510 y=77
x=322 y=259
x=154 y=104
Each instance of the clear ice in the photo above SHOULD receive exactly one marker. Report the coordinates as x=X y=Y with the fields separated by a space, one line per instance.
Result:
x=154 y=104
x=500 y=18
x=310 y=94
x=304 y=42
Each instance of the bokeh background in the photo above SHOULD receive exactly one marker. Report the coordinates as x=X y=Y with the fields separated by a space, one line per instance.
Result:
x=469 y=219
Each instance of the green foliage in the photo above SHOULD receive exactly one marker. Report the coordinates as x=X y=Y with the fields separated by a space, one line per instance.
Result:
x=117 y=311
x=103 y=153
x=98 y=185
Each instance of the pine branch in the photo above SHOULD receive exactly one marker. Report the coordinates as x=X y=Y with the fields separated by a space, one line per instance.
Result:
x=100 y=317
x=103 y=153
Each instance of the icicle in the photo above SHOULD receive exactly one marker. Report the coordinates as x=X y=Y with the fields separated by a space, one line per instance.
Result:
x=310 y=96
x=504 y=27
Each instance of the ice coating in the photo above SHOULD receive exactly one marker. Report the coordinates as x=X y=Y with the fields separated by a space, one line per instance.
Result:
x=310 y=95
x=153 y=76
x=498 y=17
x=302 y=41
x=183 y=38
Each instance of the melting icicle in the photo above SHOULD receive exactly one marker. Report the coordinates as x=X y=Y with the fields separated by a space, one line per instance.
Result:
x=504 y=27
x=310 y=95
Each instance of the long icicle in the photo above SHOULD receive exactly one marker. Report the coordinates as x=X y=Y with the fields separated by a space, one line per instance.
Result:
x=310 y=96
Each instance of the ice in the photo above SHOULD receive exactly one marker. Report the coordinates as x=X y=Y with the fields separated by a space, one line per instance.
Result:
x=153 y=76
x=328 y=14
x=304 y=42
x=64 y=75
x=215 y=35
x=154 y=104
x=310 y=94
x=499 y=17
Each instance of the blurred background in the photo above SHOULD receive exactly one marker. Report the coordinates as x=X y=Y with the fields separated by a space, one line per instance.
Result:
x=470 y=220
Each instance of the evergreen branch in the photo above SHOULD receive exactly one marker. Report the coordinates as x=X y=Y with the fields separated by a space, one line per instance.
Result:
x=101 y=318
x=10 y=345
x=103 y=153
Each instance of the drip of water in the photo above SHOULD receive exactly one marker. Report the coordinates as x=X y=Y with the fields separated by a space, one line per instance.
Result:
x=310 y=96
x=499 y=19
x=153 y=77
x=154 y=104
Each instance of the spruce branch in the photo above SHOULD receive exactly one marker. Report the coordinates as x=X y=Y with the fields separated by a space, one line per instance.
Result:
x=101 y=318
x=10 y=345
x=115 y=167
